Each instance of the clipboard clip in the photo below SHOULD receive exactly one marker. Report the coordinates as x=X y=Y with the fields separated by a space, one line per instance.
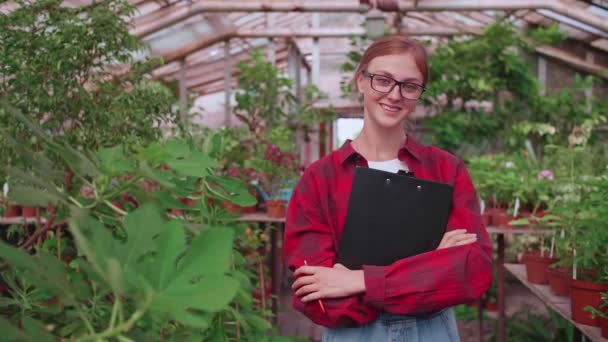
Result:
x=405 y=173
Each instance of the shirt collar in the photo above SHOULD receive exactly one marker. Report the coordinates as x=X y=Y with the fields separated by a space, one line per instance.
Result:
x=410 y=145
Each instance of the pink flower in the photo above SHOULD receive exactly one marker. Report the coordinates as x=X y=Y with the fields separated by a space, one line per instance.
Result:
x=87 y=192
x=545 y=174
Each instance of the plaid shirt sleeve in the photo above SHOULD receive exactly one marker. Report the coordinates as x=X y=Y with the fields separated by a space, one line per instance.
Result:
x=434 y=280
x=309 y=237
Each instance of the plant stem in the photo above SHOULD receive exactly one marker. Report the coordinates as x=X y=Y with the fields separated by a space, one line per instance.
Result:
x=115 y=208
x=115 y=308
x=119 y=329
x=85 y=320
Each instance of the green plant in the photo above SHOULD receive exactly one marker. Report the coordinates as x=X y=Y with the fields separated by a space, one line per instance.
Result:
x=465 y=313
x=528 y=326
x=602 y=310
x=139 y=273
x=72 y=70
x=263 y=97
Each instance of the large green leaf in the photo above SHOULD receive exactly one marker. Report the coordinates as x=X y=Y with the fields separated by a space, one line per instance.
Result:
x=34 y=180
x=32 y=331
x=142 y=226
x=38 y=162
x=169 y=245
x=32 y=197
x=155 y=154
x=232 y=189
x=165 y=178
x=44 y=270
x=113 y=161
x=209 y=253
x=94 y=241
x=195 y=165
x=169 y=202
x=177 y=149
x=211 y=294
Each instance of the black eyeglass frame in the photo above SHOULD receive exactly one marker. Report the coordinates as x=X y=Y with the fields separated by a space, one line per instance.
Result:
x=399 y=83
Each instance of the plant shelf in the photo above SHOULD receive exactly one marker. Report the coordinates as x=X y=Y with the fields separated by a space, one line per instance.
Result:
x=561 y=305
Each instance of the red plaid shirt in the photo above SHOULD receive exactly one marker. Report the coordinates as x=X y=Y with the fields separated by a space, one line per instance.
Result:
x=423 y=283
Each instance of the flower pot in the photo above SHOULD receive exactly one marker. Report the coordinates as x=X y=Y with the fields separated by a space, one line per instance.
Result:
x=487 y=218
x=491 y=305
x=28 y=212
x=559 y=281
x=501 y=218
x=585 y=293
x=249 y=210
x=604 y=327
x=276 y=208
x=536 y=267
x=12 y=211
x=231 y=207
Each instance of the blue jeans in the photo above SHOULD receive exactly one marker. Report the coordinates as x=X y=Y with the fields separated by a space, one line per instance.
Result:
x=436 y=327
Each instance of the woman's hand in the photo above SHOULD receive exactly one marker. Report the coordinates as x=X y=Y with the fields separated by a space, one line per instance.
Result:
x=316 y=282
x=456 y=237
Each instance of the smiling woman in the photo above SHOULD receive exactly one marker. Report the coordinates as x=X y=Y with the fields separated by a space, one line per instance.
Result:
x=410 y=299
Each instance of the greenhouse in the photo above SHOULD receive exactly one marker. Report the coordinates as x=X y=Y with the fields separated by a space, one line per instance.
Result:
x=290 y=170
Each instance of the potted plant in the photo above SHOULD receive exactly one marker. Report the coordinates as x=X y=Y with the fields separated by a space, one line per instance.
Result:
x=601 y=313
x=277 y=170
x=589 y=238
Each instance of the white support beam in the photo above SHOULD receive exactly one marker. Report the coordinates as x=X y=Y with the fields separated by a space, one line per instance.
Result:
x=227 y=84
x=573 y=61
x=183 y=92
x=589 y=58
x=316 y=51
x=542 y=74
x=272 y=53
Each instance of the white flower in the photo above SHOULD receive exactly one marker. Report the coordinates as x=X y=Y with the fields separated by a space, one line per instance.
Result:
x=5 y=190
x=509 y=164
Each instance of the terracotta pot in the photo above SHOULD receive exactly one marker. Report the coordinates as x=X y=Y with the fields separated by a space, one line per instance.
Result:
x=12 y=211
x=559 y=281
x=585 y=293
x=491 y=306
x=487 y=218
x=604 y=327
x=276 y=208
x=536 y=267
x=249 y=210
x=502 y=218
x=231 y=207
x=28 y=212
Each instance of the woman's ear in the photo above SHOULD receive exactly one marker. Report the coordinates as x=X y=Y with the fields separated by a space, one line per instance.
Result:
x=360 y=79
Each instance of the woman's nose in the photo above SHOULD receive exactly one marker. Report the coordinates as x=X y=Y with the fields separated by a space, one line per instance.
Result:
x=395 y=93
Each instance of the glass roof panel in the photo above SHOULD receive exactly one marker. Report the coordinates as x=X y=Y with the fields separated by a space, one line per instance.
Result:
x=574 y=23
x=180 y=35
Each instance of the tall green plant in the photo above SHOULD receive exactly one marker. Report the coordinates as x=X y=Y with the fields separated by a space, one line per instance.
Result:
x=73 y=71
x=139 y=273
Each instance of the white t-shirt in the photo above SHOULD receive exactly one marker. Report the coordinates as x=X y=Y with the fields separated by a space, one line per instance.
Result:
x=392 y=165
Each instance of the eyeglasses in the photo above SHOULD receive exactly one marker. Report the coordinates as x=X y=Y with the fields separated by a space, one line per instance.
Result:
x=385 y=84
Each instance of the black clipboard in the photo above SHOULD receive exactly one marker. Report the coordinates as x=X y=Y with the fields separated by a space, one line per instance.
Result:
x=392 y=216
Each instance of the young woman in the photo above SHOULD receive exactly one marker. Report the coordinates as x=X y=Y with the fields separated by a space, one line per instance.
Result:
x=411 y=299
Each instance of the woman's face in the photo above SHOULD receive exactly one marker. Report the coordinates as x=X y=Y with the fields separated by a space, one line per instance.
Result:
x=389 y=110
